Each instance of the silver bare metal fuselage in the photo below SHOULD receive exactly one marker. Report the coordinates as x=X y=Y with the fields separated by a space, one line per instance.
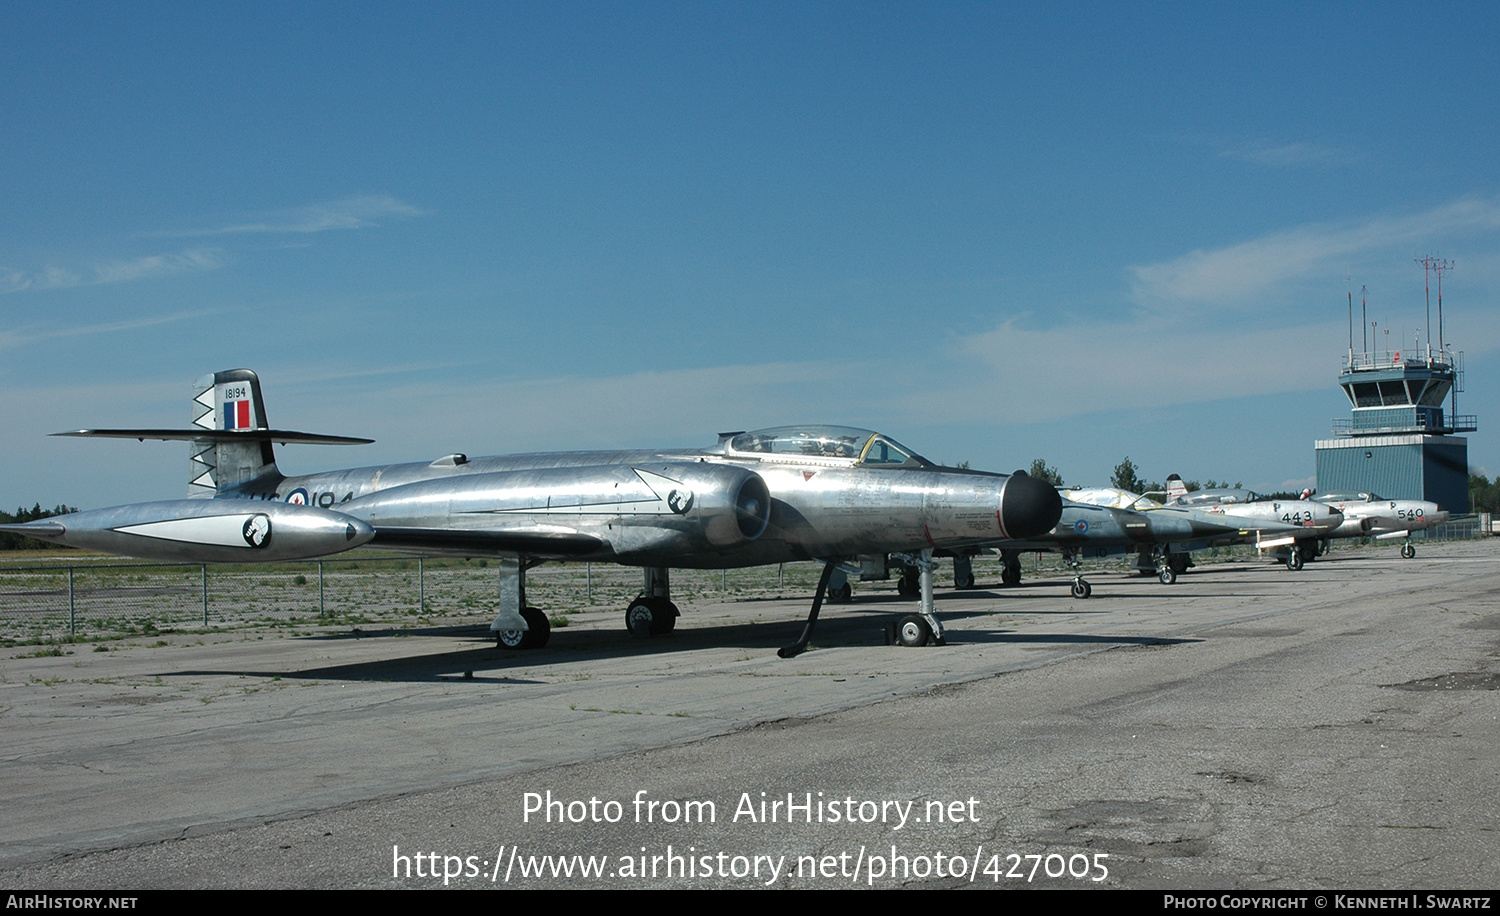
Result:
x=603 y=506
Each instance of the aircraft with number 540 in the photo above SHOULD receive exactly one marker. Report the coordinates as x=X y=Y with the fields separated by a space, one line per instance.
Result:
x=825 y=493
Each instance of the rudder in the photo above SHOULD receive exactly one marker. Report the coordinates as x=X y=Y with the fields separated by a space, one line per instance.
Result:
x=229 y=400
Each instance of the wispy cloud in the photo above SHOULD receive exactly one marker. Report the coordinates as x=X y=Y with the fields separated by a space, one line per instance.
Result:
x=32 y=333
x=1246 y=273
x=358 y=212
x=1264 y=152
x=111 y=271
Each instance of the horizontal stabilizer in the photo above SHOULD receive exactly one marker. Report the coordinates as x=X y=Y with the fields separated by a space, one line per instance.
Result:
x=219 y=435
x=531 y=543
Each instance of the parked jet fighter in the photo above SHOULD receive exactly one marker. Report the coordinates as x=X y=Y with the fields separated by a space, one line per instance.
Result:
x=1366 y=514
x=1099 y=531
x=1268 y=524
x=774 y=495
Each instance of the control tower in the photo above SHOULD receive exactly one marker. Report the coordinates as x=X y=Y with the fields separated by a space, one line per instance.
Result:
x=1398 y=442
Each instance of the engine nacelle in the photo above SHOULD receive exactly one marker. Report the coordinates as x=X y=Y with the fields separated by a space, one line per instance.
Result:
x=634 y=508
x=731 y=504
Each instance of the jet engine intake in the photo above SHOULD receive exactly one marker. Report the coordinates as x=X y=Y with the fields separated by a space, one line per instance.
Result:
x=732 y=504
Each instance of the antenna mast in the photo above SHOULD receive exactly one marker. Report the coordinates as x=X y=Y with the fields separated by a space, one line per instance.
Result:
x=1432 y=265
x=1349 y=278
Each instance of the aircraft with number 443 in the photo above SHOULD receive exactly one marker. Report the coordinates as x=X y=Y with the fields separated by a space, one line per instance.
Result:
x=825 y=493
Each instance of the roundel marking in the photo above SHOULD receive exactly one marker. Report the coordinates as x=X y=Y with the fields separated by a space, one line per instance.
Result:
x=1081 y=526
x=297 y=497
x=257 y=530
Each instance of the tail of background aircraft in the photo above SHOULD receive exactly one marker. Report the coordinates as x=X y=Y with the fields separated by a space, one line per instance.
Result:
x=1175 y=487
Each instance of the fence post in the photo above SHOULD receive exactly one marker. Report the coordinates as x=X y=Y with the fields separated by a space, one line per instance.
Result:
x=72 y=619
x=421 y=588
x=205 y=594
x=321 y=612
x=588 y=574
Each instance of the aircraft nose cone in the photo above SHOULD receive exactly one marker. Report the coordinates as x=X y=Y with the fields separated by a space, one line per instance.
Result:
x=1028 y=507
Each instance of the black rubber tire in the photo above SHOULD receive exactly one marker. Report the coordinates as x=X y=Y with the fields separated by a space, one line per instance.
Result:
x=912 y=631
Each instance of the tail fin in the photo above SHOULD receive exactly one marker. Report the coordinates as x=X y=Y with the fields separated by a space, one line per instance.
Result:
x=229 y=400
x=1175 y=487
x=231 y=440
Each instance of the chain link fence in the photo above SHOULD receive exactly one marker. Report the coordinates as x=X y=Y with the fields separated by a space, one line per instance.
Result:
x=101 y=599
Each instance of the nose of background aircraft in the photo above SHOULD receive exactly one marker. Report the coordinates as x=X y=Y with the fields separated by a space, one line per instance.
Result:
x=1028 y=507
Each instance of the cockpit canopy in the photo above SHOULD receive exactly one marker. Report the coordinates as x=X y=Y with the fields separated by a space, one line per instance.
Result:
x=1217 y=497
x=843 y=445
x=1348 y=496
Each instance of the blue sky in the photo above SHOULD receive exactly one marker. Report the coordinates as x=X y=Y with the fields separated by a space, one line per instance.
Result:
x=995 y=231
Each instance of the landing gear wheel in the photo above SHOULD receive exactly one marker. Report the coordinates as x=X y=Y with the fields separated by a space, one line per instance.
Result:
x=1010 y=575
x=913 y=631
x=1179 y=563
x=541 y=628
x=964 y=581
x=1167 y=575
x=650 y=617
x=843 y=594
x=1294 y=560
x=534 y=638
x=1081 y=589
x=1408 y=551
x=1309 y=551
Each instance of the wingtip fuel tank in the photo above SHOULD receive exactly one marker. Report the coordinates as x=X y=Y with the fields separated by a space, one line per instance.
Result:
x=205 y=531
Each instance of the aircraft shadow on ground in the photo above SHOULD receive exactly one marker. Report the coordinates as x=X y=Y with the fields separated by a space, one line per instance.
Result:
x=486 y=663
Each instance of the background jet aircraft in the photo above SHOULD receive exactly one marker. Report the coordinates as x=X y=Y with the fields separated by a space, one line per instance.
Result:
x=1368 y=514
x=775 y=495
x=1100 y=531
x=1083 y=531
x=1268 y=524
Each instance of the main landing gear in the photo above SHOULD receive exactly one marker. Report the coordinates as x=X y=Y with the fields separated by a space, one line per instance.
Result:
x=517 y=626
x=653 y=613
x=963 y=572
x=1408 y=551
x=1010 y=567
x=538 y=631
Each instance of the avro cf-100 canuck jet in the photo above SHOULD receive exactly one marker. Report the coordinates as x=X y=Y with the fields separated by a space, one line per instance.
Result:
x=756 y=498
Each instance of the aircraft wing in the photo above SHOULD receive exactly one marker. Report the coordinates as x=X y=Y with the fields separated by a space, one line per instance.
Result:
x=218 y=435
x=454 y=540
